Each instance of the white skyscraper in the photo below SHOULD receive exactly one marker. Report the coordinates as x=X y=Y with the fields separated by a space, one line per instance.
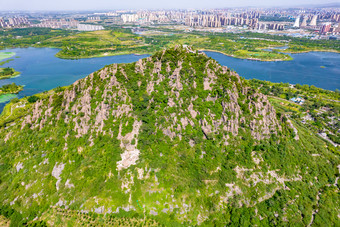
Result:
x=297 y=22
x=304 y=22
x=313 y=21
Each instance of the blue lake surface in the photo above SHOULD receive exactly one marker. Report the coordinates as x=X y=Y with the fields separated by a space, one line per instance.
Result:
x=305 y=68
x=41 y=70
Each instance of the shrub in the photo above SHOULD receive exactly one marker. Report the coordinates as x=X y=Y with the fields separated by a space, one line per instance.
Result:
x=32 y=99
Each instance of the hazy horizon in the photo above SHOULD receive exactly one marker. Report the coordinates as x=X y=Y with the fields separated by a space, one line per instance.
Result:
x=86 y=5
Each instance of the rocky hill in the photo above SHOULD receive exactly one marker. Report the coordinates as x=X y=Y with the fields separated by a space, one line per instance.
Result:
x=171 y=139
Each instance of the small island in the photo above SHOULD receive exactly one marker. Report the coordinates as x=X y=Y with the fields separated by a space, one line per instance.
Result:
x=6 y=73
x=10 y=89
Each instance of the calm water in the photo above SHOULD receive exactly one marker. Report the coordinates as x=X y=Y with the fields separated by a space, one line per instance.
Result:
x=41 y=70
x=305 y=68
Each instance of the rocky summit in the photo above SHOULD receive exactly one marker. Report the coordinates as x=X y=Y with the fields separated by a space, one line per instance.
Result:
x=173 y=139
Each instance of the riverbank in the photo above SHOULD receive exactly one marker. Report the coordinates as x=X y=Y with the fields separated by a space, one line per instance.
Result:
x=307 y=51
x=106 y=54
x=289 y=58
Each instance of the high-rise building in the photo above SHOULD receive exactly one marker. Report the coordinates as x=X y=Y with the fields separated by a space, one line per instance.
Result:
x=304 y=22
x=297 y=22
x=313 y=21
x=325 y=28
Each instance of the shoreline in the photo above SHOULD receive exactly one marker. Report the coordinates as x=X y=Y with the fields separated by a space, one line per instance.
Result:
x=308 y=51
x=252 y=59
x=99 y=56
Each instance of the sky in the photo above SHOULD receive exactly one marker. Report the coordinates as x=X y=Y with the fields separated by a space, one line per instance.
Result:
x=146 y=4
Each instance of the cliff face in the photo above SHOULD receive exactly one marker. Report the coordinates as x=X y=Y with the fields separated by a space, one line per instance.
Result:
x=174 y=131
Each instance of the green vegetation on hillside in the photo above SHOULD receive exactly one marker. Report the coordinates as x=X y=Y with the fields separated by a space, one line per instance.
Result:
x=320 y=112
x=173 y=139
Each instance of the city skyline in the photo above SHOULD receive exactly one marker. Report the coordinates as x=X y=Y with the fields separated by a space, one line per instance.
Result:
x=151 y=4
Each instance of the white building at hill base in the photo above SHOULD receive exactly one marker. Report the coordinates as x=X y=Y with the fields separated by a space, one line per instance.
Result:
x=89 y=27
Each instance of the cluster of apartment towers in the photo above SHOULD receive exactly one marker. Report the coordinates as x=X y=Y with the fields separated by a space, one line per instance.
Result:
x=312 y=22
x=216 y=21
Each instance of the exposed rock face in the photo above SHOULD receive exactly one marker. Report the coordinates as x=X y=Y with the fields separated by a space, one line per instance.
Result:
x=19 y=166
x=265 y=121
x=56 y=172
x=131 y=153
x=295 y=130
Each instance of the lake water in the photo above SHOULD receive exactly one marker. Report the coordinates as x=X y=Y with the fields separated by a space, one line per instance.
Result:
x=321 y=69
x=41 y=70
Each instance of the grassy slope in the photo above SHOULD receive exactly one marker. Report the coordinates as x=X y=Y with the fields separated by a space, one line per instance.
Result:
x=319 y=111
